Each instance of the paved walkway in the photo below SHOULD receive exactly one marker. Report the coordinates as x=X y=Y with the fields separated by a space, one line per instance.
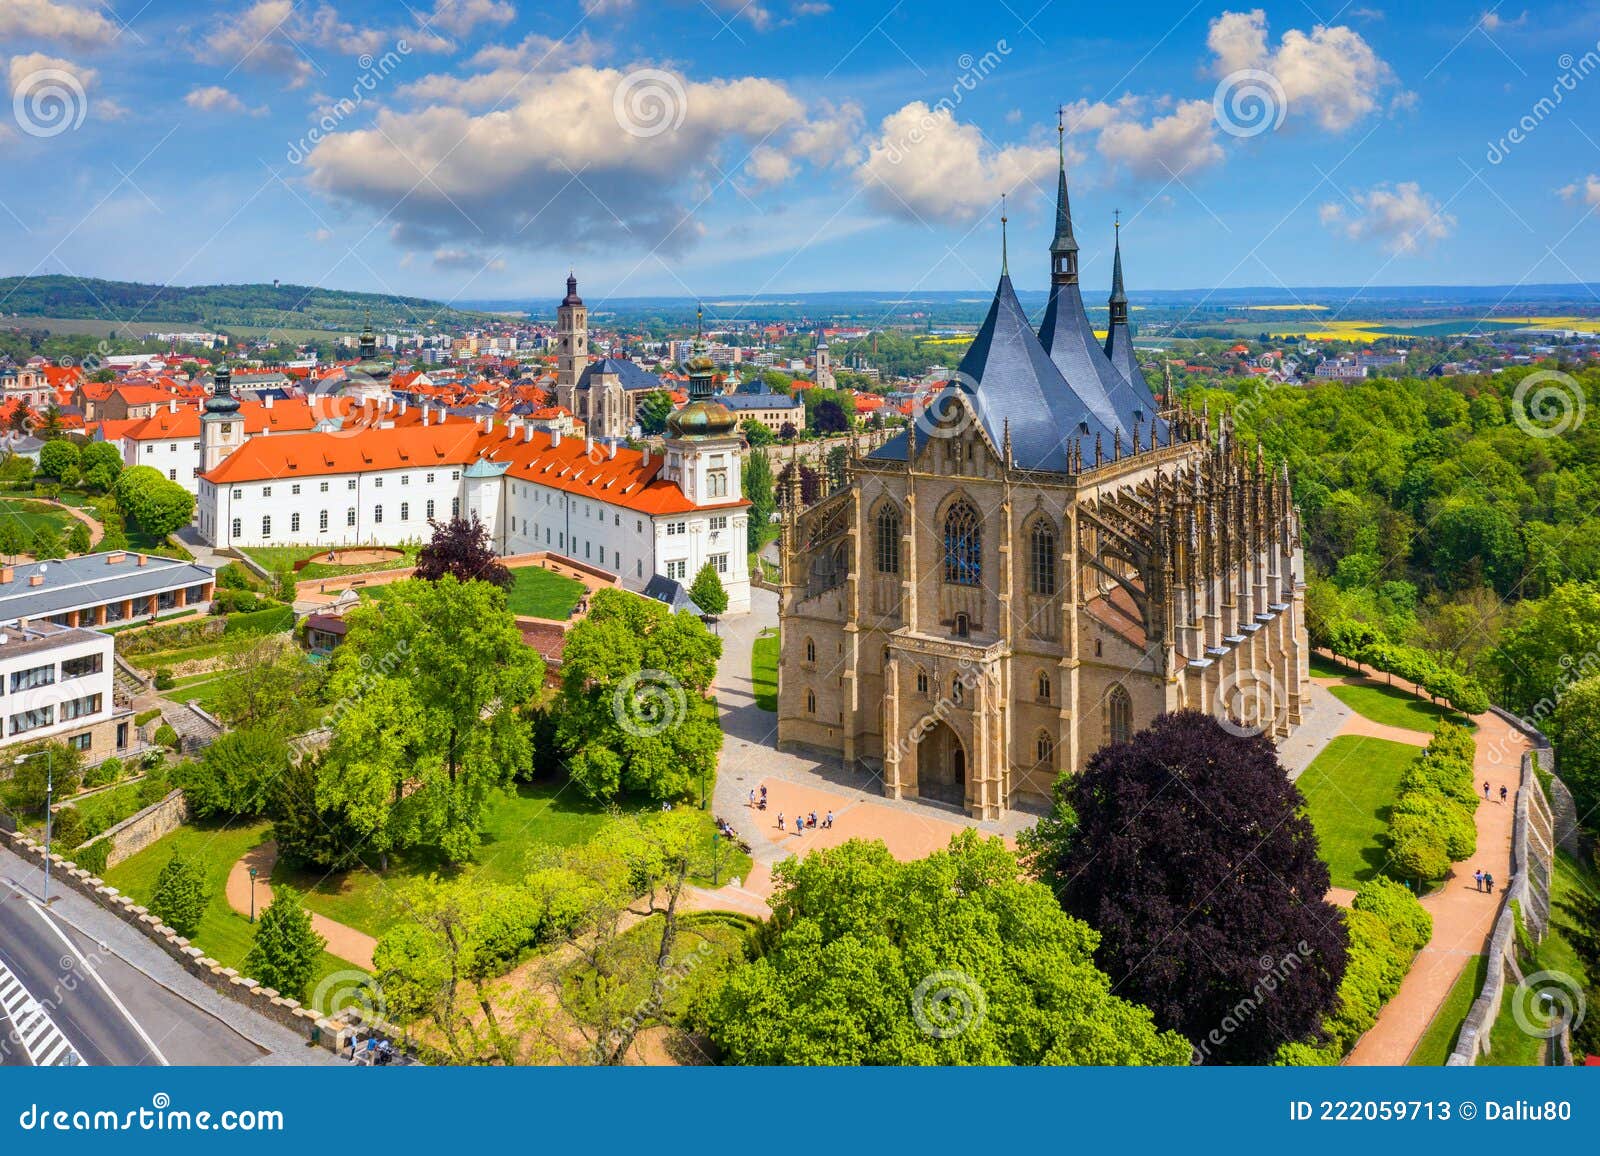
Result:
x=1462 y=915
x=797 y=783
x=343 y=940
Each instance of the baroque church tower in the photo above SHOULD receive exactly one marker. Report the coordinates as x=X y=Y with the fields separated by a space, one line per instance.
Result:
x=221 y=426
x=572 y=344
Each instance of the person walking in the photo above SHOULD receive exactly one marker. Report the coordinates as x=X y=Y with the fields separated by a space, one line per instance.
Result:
x=828 y=822
x=780 y=820
x=1486 y=788
x=1477 y=879
x=1503 y=792
x=1488 y=882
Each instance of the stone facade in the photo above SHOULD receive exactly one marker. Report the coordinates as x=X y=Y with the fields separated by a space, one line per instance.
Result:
x=970 y=629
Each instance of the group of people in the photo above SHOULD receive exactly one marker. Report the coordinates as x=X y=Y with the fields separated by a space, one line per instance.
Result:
x=1485 y=881
x=377 y=1051
x=1503 y=791
x=801 y=822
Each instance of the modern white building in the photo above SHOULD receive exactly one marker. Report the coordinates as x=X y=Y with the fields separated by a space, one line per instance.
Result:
x=56 y=684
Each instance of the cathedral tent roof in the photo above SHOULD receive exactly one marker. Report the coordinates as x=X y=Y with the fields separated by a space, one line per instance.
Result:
x=629 y=374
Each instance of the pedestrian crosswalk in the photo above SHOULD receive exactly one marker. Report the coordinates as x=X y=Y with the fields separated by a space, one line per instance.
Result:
x=31 y=1026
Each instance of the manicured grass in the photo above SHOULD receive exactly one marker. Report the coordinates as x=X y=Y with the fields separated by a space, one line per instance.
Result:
x=535 y=816
x=224 y=933
x=204 y=689
x=764 y=670
x=32 y=515
x=1349 y=789
x=1394 y=707
x=275 y=559
x=539 y=593
x=1440 y=1039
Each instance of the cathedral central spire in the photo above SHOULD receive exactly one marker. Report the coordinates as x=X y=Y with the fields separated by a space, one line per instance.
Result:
x=1119 y=299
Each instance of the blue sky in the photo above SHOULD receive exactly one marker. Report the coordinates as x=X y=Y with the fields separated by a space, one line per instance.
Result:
x=477 y=148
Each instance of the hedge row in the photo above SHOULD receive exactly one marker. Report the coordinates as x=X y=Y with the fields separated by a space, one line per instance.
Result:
x=1431 y=824
x=273 y=620
x=1386 y=927
x=1364 y=643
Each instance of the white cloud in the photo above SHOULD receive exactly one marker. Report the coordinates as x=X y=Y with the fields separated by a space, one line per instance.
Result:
x=1492 y=21
x=460 y=17
x=768 y=166
x=928 y=166
x=215 y=98
x=557 y=165
x=274 y=37
x=503 y=70
x=460 y=259
x=321 y=236
x=1330 y=74
x=82 y=27
x=1403 y=219
x=1172 y=145
x=831 y=137
x=1588 y=191
x=24 y=69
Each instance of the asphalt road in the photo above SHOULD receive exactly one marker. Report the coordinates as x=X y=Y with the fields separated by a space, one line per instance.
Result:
x=111 y=1012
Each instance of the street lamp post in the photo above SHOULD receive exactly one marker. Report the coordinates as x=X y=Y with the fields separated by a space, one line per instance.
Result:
x=252 y=895
x=49 y=789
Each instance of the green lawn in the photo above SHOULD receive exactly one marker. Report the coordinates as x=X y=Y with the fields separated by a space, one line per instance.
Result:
x=1349 y=789
x=539 y=593
x=32 y=515
x=1394 y=707
x=534 y=816
x=275 y=559
x=204 y=689
x=159 y=658
x=224 y=933
x=1436 y=1044
x=764 y=670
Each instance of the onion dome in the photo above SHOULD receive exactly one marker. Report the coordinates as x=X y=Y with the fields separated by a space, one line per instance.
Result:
x=702 y=419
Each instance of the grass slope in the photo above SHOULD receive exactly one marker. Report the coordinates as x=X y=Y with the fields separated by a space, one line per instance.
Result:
x=1394 y=707
x=1349 y=789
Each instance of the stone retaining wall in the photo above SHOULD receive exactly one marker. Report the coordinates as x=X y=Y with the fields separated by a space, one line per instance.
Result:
x=143 y=828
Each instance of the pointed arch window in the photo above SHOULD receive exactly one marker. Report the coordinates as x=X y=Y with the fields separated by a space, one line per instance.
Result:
x=888 y=544
x=1044 y=687
x=1120 y=707
x=1042 y=559
x=963 y=546
x=1044 y=749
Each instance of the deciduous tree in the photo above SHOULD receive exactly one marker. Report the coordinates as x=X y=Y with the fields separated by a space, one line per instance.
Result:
x=462 y=548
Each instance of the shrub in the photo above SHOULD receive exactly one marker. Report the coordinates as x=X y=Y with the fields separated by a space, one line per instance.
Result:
x=164 y=679
x=92 y=856
x=66 y=828
x=284 y=954
x=145 y=716
x=104 y=773
x=165 y=736
x=273 y=620
x=180 y=896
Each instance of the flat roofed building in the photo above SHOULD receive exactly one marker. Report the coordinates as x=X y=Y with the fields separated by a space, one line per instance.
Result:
x=101 y=589
x=56 y=684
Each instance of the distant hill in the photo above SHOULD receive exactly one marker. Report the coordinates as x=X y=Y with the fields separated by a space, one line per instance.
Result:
x=139 y=308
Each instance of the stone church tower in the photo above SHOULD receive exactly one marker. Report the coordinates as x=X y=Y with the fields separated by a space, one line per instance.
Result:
x=824 y=368
x=572 y=344
x=1039 y=565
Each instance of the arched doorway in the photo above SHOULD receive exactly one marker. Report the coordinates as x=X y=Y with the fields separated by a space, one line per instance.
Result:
x=942 y=766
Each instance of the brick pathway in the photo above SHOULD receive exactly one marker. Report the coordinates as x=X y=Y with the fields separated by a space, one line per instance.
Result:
x=1462 y=915
x=343 y=940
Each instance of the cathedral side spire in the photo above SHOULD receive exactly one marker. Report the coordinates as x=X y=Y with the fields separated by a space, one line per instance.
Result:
x=1064 y=248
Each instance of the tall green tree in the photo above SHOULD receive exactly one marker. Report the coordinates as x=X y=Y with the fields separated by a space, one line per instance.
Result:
x=428 y=688
x=284 y=954
x=758 y=485
x=632 y=713
x=654 y=409
x=708 y=592
x=180 y=895
x=952 y=959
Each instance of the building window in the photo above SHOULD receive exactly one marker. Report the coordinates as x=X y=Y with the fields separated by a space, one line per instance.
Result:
x=172 y=475
x=1043 y=749
x=888 y=530
x=963 y=626
x=922 y=682
x=963 y=546
x=377 y=515
x=430 y=509
x=82 y=667
x=719 y=563
x=32 y=720
x=811 y=651
x=1121 y=709
x=81 y=742
x=720 y=522
x=33 y=677
x=322 y=519
x=294 y=523
x=350 y=484
x=266 y=491
x=429 y=479
x=377 y=482
x=1042 y=560
x=295 y=489
x=266 y=525
x=237 y=493
x=350 y=516
x=322 y=487
x=811 y=702
x=405 y=511
x=455 y=475
x=717 y=483
x=455 y=512
x=405 y=479
x=79 y=707
x=238 y=528
x=678 y=570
